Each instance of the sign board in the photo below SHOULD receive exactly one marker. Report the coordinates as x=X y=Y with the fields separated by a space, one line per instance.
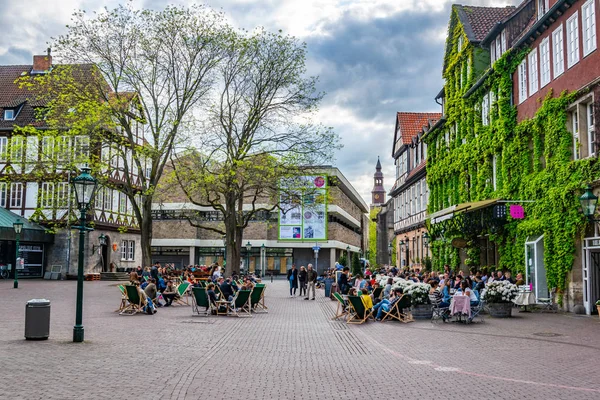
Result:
x=20 y=263
x=303 y=214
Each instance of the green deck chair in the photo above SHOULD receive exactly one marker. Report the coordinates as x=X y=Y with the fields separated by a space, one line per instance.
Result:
x=377 y=293
x=183 y=298
x=342 y=310
x=240 y=305
x=256 y=298
x=359 y=314
x=200 y=299
x=123 y=298
x=135 y=302
x=400 y=311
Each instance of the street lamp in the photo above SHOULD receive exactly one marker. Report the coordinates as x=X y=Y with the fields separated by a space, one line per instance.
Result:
x=224 y=250
x=426 y=243
x=589 y=201
x=248 y=250
x=85 y=187
x=262 y=260
x=348 y=256
x=390 y=250
x=316 y=250
x=18 y=226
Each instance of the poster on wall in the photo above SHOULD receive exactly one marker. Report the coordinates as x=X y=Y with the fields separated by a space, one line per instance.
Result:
x=303 y=212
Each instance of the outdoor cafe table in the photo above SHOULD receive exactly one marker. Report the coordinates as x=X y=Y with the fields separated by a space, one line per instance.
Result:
x=460 y=305
x=525 y=299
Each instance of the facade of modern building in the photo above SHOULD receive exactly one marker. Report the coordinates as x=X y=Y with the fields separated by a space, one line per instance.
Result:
x=517 y=144
x=35 y=170
x=410 y=191
x=264 y=249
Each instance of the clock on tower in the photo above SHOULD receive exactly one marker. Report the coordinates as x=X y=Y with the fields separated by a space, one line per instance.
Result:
x=378 y=193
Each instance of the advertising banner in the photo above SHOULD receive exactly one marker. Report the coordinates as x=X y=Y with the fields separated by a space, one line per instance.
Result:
x=303 y=212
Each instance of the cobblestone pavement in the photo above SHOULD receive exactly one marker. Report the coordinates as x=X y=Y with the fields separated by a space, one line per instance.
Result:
x=293 y=352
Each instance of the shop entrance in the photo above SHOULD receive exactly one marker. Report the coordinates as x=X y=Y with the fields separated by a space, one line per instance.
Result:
x=591 y=275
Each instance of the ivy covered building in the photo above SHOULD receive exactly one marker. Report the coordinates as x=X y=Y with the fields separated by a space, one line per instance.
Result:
x=516 y=146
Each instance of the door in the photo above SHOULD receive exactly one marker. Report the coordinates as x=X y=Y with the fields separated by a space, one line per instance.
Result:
x=105 y=254
x=594 y=279
x=535 y=269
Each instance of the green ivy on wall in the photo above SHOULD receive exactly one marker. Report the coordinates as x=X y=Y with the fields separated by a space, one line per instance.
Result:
x=533 y=162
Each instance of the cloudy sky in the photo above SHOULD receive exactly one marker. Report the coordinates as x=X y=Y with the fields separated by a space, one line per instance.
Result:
x=374 y=58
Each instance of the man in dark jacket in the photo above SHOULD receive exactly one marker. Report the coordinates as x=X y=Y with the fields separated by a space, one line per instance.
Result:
x=292 y=277
x=312 y=281
x=226 y=289
x=343 y=281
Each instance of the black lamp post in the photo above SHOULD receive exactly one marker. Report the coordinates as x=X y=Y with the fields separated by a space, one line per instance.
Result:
x=248 y=250
x=402 y=246
x=348 y=256
x=426 y=243
x=85 y=188
x=224 y=250
x=407 y=242
x=18 y=226
x=589 y=201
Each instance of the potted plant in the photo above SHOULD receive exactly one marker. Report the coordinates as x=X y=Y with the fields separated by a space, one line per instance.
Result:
x=498 y=297
x=598 y=306
x=419 y=295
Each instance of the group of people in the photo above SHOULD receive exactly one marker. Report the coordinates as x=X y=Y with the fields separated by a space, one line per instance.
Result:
x=158 y=283
x=303 y=278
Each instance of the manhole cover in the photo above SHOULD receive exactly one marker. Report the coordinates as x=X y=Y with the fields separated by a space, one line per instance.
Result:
x=547 y=334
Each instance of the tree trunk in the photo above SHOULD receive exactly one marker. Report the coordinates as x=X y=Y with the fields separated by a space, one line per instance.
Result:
x=146 y=228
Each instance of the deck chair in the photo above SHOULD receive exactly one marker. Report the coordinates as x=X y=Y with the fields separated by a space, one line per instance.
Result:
x=400 y=311
x=342 y=310
x=377 y=293
x=123 y=298
x=183 y=294
x=256 y=298
x=547 y=303
x=240 y=305
x=262 y=304
x=359 y=314
x=200 y=299
x=135 y=303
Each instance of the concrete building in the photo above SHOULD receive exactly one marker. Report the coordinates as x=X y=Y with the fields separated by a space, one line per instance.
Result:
x=271 y=250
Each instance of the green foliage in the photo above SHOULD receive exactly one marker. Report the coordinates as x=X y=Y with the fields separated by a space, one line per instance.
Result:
x=356 y=267
x=343 y=260
x=373 y=235
x=533 y=163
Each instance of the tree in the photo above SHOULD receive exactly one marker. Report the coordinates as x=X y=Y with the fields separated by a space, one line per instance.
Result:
x=356 y=269
x=153 y=69
x=258 y=133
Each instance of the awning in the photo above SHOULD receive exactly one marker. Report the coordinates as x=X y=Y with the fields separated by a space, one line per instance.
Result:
x=31 y=232
x=450 y=212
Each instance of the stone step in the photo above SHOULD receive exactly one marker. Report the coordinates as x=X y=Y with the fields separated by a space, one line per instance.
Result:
x=114 y=276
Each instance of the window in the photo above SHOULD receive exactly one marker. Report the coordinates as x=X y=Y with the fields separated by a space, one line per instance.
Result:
x=3 y=148
x=493 y=52
x=485 y=110
x=523 y=81
x=9 y=115
x=591 y=130
x=573 y=40
x=62 y=148
x=122 y=203
x=47 y=195
x=559 y=51
x=503 y=41
x=533 y=71
x=545 y=62
x=62 y=194
x=81 y=145
x=16 y=149
x=588 y=20
x=575 y=132
x=108 y=194
x=3 y=194
x=418 y=198
x=460 y=43
x=498 y=48
x=31 y=150
x=16 y=195
x=128 y=250
x=47 y=148
x=542 y=8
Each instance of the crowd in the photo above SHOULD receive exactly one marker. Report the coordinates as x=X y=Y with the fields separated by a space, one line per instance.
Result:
x=157 y=285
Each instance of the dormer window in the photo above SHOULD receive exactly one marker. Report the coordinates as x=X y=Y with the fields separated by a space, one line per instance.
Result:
x=543 y=7
x=460 y=43
x=9 y=114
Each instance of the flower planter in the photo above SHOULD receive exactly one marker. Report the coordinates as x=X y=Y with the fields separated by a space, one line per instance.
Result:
x=422 y=311
x=598 y=307
x=500 y=310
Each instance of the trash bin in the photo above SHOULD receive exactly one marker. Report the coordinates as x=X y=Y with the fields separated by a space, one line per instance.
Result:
x=37 y=319
x=328 y=282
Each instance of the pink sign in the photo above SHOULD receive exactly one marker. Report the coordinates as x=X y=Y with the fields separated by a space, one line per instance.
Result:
x=319 y=181
x=517 y=212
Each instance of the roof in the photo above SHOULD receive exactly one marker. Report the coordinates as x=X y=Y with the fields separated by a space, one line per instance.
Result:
x=478 y=21
x=8 y=218
x=21 y=98
x=410 y=124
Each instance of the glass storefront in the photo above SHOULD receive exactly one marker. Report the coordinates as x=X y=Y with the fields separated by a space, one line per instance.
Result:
x=32 y=254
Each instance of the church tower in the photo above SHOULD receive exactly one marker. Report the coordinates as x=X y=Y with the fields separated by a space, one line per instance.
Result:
x=378 y=193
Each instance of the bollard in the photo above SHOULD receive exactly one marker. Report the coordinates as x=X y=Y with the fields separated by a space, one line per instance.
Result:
x=271 y=277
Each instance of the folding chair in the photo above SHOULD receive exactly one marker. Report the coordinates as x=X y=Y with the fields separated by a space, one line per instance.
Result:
x=200 y=299
x=438 y=312
x=136 y=303
x=476 y=311
x=256 y=298
x=342 y=310
x=240 y=305
x=377 y=293
x=182 y=293
x=400 y=311
x=123 y=298
x=548 y=303
x=359 y=314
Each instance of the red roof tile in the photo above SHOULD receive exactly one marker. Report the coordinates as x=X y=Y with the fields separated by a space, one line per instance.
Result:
x=478 y=21
x=410 y=124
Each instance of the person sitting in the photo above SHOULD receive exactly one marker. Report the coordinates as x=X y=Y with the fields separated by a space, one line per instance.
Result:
x=386 y=304
x=151 y=290
x=359 y=283
x=210 y=293
x=133 y=278
x=387 y=290
x=436 y=297
x=366 y=299
x=170 y=293
x=508 y=277
x=226 y=289
x=343 y=280
x=467 y=291
x=520 y=281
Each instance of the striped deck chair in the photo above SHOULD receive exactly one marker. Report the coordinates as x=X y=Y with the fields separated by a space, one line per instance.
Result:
x=240 y=305
x=135 y=302
x=182 y=291
x=359 y=313
x=256 y=297
x=342 y=310
x=200 y=299
x=123 y=298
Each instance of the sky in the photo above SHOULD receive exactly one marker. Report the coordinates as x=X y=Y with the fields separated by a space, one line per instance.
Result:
x=374 y=58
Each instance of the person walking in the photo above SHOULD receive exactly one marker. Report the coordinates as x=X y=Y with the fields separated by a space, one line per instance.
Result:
x=292 y=277
x=302 y=280
x=312 y=281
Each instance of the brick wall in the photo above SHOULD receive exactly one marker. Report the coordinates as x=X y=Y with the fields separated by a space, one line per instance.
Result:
x=338 y=198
